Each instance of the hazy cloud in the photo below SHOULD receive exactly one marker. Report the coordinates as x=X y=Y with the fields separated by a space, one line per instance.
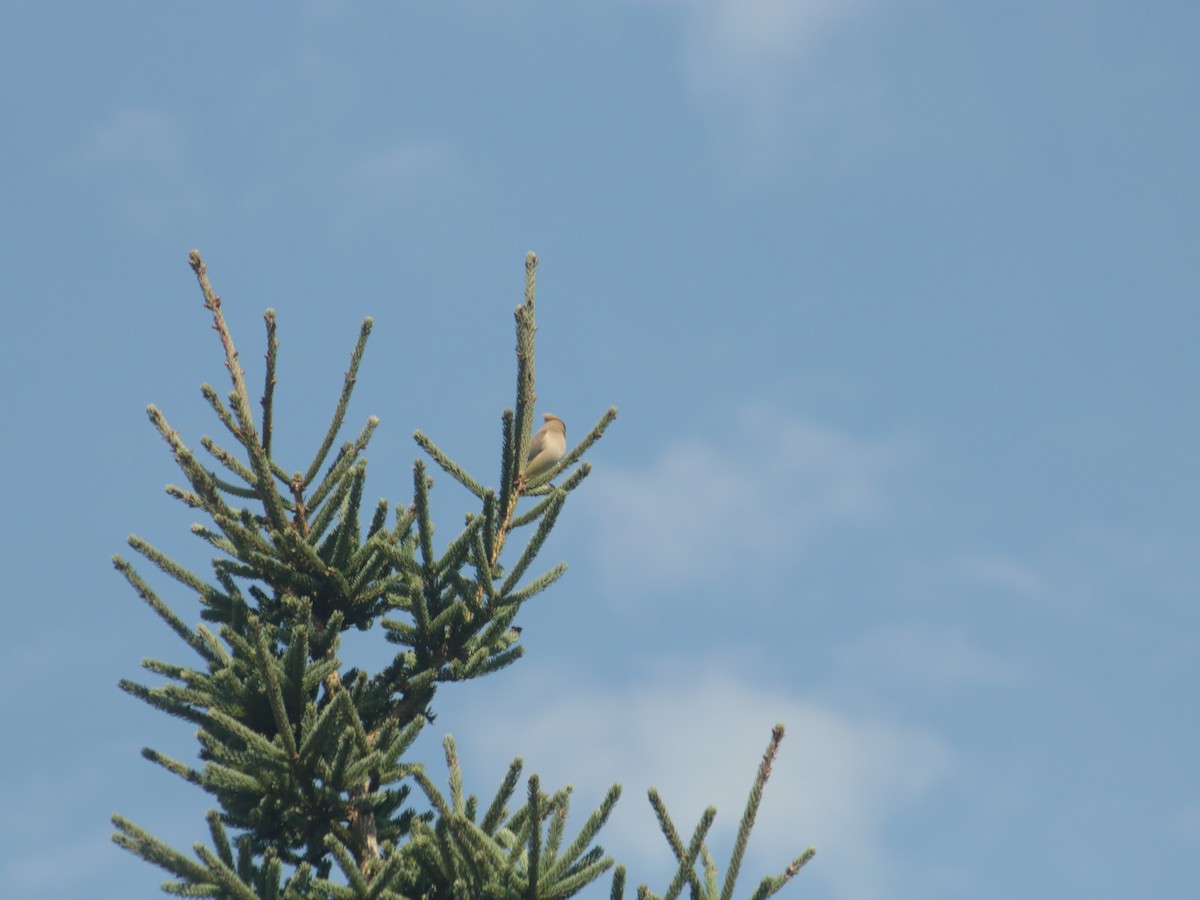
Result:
x=758 y=59
x=137 y=136
x=393 y=177
x=1002 y=572
x=142 y=158
x=752 y=46
x=403 y=166
x=923 y=656
x=765 y=489
x=839 y=783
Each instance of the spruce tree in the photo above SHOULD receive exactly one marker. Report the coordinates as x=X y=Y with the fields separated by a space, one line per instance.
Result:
x=306 y=758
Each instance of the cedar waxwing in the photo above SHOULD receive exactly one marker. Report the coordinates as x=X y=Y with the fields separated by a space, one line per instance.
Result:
x=548 y=446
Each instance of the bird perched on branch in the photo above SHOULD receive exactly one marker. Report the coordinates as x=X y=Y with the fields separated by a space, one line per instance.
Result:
x=548 y=446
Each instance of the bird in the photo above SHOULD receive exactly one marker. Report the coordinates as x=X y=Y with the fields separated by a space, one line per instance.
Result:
x=548 y=446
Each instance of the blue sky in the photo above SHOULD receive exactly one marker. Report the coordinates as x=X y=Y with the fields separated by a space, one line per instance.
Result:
x=899 y=304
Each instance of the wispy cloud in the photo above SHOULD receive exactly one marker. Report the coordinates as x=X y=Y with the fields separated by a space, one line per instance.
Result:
x=397 y=170
x=136 y=136
x=927 y=657
x=405 y=163
x=839 y=783
x=393 y=176
x=754 y=46
x=758 y=59
x=758 y=495
x=1186 y=821
x=1002 y=572
x=141 y=156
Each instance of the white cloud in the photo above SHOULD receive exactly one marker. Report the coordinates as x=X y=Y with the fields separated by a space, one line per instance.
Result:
x=839 y=782
x=760 y=497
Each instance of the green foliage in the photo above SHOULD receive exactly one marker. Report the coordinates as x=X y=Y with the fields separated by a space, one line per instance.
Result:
x=306 y=759
x=697 y=851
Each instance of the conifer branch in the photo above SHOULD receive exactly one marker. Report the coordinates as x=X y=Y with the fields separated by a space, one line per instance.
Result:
x=455 y=770
x=339 y=414
x=453 y=469
x=771 y=885
x=751 y=811
x=268 y=397
x=346 y=457
x=535 y=544
x=551 y=494
x=184 y=771
x=518 y=425
x=686 y=873
x=201 y=479
x=188 y=498
x=218 y=540
x=227 y=419
x=618 y=884
x=533 y=866
x=597 y=432
x=496 y=811
x=167 y=565
x=536 y=586
x=587 y=833
x=330 y=506
x=220 y=839
x=224 y=875
x=150 y=848
x=199 y=686
x=436 y=800
x=258 y=458
x=510 y=461
x=484 y=571
x=242 y=531
x=526 y=377
x=160 y=698
x=229 y=461
x=266 y=669
x=457 y=553
x=346 y=536
x=346 y=863
x=224 y=416
x=219 y=654
x=164 y=612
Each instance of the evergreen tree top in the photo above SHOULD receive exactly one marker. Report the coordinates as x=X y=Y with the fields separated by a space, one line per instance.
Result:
x=306 y=757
